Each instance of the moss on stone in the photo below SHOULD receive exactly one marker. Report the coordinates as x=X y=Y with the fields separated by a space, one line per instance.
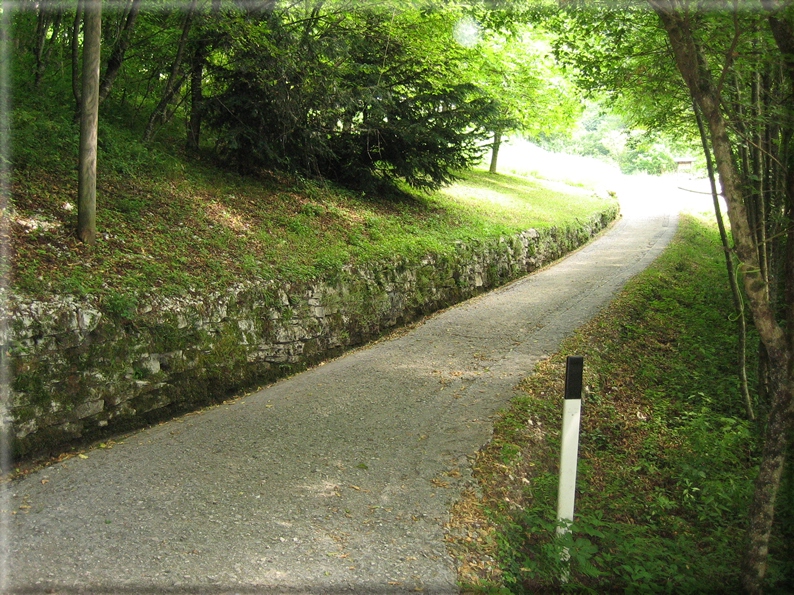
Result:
x=181 y=355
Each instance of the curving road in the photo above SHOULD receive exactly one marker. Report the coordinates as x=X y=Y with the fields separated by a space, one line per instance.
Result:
x=333 y=481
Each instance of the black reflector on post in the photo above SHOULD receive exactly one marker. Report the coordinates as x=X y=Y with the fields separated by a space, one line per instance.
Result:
x=573 y=377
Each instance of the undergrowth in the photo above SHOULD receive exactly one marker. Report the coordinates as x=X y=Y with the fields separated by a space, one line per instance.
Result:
x=667 y=458
x=170 y=223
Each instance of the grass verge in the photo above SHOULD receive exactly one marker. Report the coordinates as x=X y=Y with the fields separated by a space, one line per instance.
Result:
x=667 y=459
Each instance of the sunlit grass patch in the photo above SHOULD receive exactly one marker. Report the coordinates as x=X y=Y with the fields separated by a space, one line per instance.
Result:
x=517 y=203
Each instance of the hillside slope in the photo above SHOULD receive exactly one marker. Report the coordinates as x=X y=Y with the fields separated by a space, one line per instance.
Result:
x=204 y=282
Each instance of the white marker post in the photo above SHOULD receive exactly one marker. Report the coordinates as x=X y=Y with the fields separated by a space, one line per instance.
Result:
x=569 y=453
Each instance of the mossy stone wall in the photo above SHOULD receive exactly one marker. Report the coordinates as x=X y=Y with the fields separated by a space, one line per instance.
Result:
x=79 y=373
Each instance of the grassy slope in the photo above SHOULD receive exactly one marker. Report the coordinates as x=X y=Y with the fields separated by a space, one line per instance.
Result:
x=666 y=456
x=171 y=224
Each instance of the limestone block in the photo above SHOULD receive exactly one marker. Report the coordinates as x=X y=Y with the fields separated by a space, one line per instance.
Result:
x=87 y=319
x=87 y=409
x=71 y=428
x=150 y=363
x=25 y=428
x=171 y=359
x=116 y=398
x=277 y=358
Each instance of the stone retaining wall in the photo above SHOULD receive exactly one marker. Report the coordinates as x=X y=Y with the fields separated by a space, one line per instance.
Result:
x=79 y=373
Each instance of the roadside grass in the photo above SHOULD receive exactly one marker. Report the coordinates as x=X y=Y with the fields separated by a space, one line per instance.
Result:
x=510 y=201
x=171 y=224
x=667 y=458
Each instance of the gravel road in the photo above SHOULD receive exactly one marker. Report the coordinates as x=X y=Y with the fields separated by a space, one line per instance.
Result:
x=337 y=480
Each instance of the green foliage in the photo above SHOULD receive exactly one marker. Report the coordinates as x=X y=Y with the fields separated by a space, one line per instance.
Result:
x=46 y=142
x=182 y=227
x=595 y=556
x=530 y=92
x=363 y=93
x=614 y=51
x=644 y=155
x=782 y=547
x=120 y=305
x=367 y=94
x=606 y=136
x=370 y=94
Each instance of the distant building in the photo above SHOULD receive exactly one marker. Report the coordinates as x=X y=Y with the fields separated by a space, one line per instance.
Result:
x=684 y=164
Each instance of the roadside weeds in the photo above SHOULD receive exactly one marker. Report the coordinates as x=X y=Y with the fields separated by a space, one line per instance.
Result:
x=667 y=458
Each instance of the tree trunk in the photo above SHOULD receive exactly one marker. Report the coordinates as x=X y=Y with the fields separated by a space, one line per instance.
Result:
x=116 y=58
x=694 y=70
x=196 y=96
x=789 y=286
x=174 y=80
x=78 y=17
x=734 y=283
x=89 y=118
x=497 y=142
x=759 y=171
x=56 y=27
x=197 y=84
x=43 y=23
x=783 y=34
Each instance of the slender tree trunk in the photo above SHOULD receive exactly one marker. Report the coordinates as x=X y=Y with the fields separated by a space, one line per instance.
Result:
x=196 y=96
x=783 y=33
x=497 y=142
x=694 y=70
x=174 y=80
x=89 y=119
x=197 y=83
x=734 y=283
x=789 y=286
x=42 y=24
x=758 y=178
x=744 y=153
x=56 y=28
x=78 y=17
x=116 y=58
